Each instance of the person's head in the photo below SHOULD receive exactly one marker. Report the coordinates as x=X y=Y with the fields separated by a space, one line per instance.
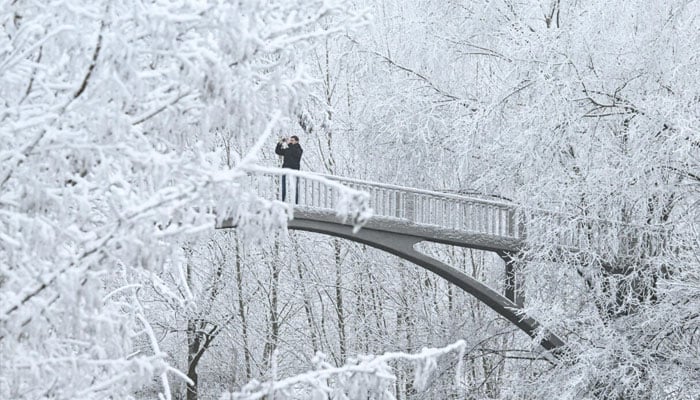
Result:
x=293 y=139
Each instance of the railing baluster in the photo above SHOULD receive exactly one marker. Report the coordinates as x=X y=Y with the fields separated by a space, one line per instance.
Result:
x=418 y=209
x=388 y=196
x=438 y=211
x=325 y=198
x=477 y=217
x=317 y=194
x=497 y=217
x=445 y=206
x=476 y=222
x=378 y=200
x=395 y=207
x=424 y=210
x=449 y=222
x=473 y=217
x=467 y=216
x=400 y=205
x=434 y=212
x=428 y=211
x=499 y=213
x=459 y=215
x=431 y=210
x=494 y=220
x=302 y=185
x=307 y=194
x=382 y=205
x=312 y=194
x=450 y=214
x=388 y=202
x=374 y=197
x=489 y=220
x=463 y=215
x=482 y=219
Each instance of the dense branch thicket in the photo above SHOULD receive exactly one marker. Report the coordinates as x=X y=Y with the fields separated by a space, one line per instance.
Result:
x=125 y=124
x=111 y=128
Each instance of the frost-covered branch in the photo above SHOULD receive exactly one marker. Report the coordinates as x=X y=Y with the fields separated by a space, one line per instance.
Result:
x=110 y=161
x=366 y=376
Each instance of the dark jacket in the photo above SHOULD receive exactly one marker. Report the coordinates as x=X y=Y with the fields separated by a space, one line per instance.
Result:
x=292 y=155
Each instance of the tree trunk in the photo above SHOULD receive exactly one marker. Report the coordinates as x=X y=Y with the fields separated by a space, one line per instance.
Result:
x=308 y=308
x=193 y=341
x=242 y=312
x=273 y=316
x=339 y=301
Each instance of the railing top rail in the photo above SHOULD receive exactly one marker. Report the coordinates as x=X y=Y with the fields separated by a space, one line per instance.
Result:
x=420 y=191
x=490 y=203
x=495 y=203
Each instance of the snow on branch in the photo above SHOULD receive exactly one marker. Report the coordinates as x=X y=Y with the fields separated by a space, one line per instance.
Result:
x=363 y=377
x=110 y=159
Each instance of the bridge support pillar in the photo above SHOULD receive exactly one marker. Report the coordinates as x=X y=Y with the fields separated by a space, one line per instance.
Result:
x=513 y=286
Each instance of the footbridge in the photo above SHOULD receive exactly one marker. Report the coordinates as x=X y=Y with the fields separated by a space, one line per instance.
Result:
x=402 y=217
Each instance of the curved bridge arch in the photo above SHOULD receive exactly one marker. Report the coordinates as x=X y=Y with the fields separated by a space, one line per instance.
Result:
x=402 y=245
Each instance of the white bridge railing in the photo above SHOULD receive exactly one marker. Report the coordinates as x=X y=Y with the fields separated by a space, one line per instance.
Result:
x=466 y=214
x=416 y=206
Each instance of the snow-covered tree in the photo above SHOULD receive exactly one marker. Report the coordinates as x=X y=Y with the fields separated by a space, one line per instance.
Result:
x=111 y=155
x=589 y=109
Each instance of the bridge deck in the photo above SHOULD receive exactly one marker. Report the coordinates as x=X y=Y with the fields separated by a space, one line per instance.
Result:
x=434 y=233
x=454 y=219
x=438 y=217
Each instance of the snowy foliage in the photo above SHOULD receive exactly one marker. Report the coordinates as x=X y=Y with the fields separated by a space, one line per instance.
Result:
x=129 y=130
x=585 y=110
x=362 y=378
x=111 y=129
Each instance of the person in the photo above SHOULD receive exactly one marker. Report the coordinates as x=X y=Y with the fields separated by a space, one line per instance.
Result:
x=291 y=150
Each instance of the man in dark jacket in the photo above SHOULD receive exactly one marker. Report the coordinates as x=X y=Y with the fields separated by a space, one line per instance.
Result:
x=291 y=151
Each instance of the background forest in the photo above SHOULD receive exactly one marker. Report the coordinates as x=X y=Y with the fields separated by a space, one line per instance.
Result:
x=124 y=125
